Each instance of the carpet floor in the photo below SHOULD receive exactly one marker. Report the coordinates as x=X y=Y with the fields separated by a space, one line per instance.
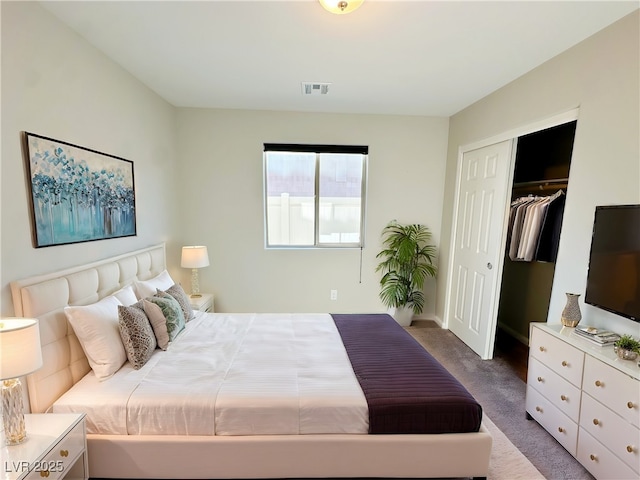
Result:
x=497 y=387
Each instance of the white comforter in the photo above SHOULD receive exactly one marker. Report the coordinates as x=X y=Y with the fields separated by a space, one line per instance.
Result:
x=232 y=374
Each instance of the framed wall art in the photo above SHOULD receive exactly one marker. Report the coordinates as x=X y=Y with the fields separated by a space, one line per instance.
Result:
x=77 y=194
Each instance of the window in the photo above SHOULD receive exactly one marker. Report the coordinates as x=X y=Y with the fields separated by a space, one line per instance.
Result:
x=314 y=195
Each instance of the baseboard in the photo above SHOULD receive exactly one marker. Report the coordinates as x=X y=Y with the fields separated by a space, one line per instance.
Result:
x=518 y=336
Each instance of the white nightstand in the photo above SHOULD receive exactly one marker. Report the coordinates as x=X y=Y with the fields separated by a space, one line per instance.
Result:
x=55 y=448
x=203 y=303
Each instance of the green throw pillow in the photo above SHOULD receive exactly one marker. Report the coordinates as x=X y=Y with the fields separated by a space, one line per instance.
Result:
x=172 y=312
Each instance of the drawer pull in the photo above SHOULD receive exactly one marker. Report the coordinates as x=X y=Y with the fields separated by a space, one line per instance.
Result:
x=599 y=383
x=596 y=421
x=629 y=449
x=561 y=430
x=593 y=458
x=563 y=398
x=44 y=473
x=540 y=379
x=564 y=363
x=630 y=405
x=64 y=453
x=542 y=349
x=538 y=409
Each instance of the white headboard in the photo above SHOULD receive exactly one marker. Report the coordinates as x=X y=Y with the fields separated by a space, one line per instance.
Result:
x=45 y=296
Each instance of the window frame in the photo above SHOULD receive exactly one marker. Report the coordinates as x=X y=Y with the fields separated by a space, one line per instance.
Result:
x=317 y=150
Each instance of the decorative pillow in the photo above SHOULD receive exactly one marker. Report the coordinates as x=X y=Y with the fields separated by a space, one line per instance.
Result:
x=172 y=313
x=177 y=292
x=126 y=295
x=158 y=323
x=148 y=288
x=137 y=335
x=96 y=327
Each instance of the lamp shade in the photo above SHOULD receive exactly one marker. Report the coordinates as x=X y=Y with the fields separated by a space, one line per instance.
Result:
x=194 y=257
x=20 y=351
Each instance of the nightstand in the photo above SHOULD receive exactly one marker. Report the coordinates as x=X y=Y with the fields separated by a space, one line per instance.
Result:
x=203 y=303
x=55 y=448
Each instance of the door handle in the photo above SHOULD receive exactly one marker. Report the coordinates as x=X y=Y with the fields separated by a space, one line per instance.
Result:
x=489 y=266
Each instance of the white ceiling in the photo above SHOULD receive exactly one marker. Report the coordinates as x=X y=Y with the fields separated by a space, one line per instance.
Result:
x=388 y=57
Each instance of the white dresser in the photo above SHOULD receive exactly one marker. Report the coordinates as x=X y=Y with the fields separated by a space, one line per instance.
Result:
x=587 y=398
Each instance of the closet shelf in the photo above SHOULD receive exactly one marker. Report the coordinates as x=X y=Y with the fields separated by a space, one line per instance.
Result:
x=542 y=184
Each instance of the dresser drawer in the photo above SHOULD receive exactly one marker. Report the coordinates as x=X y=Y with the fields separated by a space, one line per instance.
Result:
x=559 y=356
x=59 y=460
x=556 y=389
x=603 y=464
x=622 y=438
x=613 y=389
x=563 y=429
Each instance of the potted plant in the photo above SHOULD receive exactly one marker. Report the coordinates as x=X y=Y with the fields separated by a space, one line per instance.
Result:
x=406 y=262
x=627 y=347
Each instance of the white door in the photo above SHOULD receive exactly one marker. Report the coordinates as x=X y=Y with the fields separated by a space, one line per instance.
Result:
x=477 y=254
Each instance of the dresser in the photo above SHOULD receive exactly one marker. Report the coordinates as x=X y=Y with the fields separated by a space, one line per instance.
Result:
x=587 y=398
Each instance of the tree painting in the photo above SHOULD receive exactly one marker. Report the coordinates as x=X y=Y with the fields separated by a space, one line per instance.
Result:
x=78 y=194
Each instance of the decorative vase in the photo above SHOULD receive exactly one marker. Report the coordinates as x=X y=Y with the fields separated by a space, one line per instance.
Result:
x=624 y=354
x=571 y=315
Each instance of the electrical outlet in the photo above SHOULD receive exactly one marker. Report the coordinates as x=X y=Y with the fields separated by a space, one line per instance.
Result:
x=334 y=294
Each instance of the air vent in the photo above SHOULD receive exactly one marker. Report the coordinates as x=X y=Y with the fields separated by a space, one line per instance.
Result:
x=315 y=88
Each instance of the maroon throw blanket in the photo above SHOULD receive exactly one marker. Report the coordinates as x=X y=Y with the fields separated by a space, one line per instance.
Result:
x=407 y=390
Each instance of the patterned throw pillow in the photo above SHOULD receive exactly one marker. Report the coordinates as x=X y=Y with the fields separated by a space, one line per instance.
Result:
x=172 y=313
x=137 y=335
x=177 y=292
x=158 y=323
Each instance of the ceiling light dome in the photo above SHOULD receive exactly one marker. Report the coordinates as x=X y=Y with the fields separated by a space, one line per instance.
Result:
x=340 y=6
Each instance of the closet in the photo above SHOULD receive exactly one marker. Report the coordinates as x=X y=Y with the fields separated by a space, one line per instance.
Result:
x=541 y=175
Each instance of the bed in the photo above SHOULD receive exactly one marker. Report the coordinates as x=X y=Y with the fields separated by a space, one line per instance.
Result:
x=377 y=438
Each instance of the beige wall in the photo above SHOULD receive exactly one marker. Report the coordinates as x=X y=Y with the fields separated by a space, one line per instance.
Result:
x=221 y=163
x=600 y=76
x=55 y=84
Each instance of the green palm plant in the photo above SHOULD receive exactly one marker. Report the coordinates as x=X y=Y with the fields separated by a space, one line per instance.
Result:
x=406 y=262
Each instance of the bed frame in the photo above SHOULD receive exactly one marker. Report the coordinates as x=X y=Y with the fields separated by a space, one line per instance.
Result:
x=174 y=456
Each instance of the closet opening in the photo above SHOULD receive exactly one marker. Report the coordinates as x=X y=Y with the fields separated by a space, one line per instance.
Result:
x=541 y=175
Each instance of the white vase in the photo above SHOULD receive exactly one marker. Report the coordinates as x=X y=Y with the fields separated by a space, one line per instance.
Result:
x=402 y=315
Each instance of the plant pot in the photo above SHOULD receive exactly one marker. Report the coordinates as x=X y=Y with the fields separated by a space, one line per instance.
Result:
x=624 y=354
x=402 y=315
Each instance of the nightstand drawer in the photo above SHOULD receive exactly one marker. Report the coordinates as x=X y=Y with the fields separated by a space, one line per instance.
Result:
x=203 y=303
x=59 y=460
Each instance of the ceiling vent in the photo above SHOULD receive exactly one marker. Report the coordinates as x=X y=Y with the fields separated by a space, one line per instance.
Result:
x=315 y=88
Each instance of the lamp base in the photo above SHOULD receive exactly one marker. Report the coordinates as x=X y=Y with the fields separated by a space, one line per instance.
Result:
x=195 y=283
x=13 y=412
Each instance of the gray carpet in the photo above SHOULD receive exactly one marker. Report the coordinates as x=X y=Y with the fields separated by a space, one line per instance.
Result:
x=502 y=395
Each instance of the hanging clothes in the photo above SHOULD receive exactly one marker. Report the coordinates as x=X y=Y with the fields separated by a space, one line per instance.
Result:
x=534 y=227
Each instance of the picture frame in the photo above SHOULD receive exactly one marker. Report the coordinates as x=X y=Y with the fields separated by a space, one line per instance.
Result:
x=77 y=194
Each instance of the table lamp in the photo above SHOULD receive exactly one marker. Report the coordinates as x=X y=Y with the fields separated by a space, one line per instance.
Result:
x=20 y=354
x=194 y=257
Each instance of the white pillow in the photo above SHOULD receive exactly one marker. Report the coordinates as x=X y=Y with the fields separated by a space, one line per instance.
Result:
x=96 y=327
x=149 y=287
x=126 y=295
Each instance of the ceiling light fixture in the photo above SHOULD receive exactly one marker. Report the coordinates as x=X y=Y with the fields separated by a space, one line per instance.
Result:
x=340 y=7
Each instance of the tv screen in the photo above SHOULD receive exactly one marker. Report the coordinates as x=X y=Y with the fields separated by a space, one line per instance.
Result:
x=613 y=280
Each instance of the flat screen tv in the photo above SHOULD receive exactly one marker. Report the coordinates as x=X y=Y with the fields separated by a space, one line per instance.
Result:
x=613 y=280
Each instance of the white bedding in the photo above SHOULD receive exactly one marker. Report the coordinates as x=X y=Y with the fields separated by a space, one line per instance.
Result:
x=232 y=374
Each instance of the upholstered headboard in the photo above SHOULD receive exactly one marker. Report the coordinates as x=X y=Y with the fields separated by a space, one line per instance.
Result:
x=45 y=296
